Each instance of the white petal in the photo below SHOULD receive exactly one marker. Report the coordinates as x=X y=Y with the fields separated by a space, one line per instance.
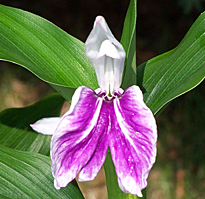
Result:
x=46 y=126
x=101 y=46
x=107 y=48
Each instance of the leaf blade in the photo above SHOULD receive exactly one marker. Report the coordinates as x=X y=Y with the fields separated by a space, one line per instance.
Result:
x=44 y=49
x=171 y=74
x=29 y=176
x=128 y=41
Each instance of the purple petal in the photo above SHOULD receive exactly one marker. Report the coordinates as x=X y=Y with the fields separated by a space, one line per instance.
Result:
x=132 y=140
x=80 y=141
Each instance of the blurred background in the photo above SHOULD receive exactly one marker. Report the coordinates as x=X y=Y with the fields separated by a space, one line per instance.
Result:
x=179 y=171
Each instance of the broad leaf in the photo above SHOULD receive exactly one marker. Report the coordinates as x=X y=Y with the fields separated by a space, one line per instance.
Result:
x=28 y=175
x=169 y=75
x=128 y=41
x=44 y=49
x=15 y=131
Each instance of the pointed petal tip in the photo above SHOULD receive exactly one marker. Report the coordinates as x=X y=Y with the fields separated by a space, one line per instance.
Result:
x=131 y=187
x=57 y=187
x=46 y=126
x=99 y=18
x=34 y=127
x=64 y=179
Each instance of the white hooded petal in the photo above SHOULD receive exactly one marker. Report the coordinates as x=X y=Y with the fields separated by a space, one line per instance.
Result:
x=107 y=56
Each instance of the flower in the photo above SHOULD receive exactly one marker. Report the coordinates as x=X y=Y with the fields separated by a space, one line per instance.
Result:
x=106 y=117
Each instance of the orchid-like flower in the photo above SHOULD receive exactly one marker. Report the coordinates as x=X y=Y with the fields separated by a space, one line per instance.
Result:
x=106 y=117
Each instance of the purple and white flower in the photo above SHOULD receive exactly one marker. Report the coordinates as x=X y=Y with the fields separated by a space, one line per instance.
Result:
x=106 y=117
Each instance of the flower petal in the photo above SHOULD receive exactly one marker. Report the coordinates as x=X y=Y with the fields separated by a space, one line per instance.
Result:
x=46 y=126
x=91 y=169
x=100 y=46
x=133 y=140
x=80 y=142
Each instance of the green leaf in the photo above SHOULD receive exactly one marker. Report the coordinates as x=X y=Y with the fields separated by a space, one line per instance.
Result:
x=169 y=75
x=28 y=175
x=15 y=131
x=44 y=49
x=66 y=92
x=128 y=41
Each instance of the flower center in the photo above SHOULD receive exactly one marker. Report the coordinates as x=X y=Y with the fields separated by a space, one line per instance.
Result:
x=110 y=53
x=109 y=76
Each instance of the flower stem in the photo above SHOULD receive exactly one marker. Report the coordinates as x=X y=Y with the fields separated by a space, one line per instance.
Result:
x=112 y=184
